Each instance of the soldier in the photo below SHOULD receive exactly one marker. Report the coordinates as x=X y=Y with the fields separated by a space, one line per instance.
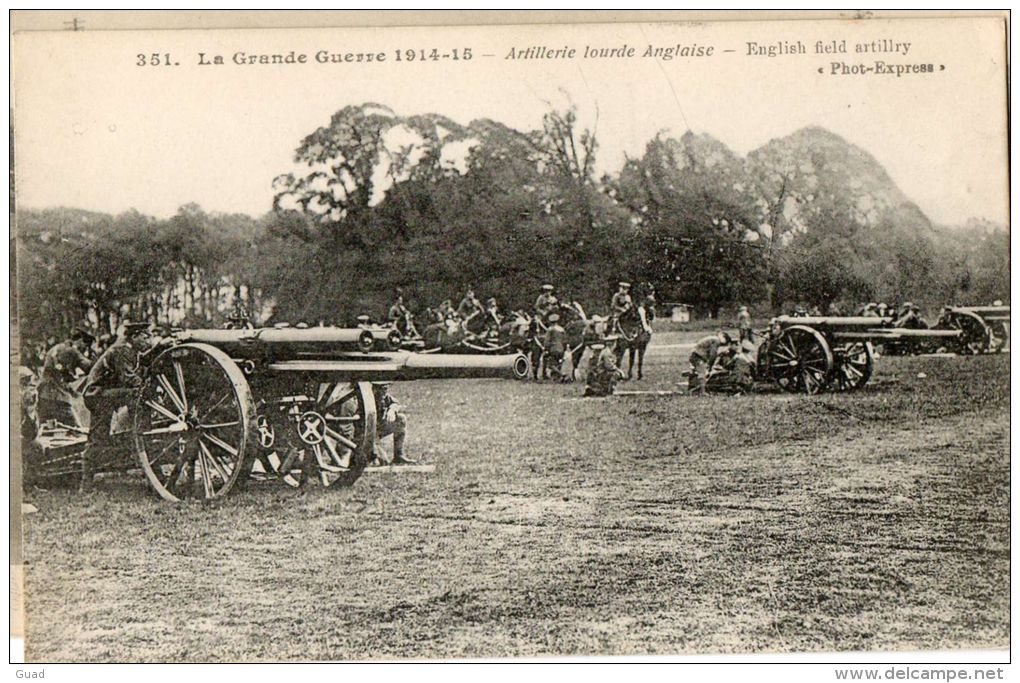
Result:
x=744 y=324
x=555 y=343
x=870 y=311
x=545 y=303
x=492 y=317
x=110 y=384
x=908 y=318
x=364 y=321
x=621 y=301
x=703 y=358
x=603 y=372
x=390 y=420
x=398 y=313
x=469 y=306
x=60 y=368
x=799 y=312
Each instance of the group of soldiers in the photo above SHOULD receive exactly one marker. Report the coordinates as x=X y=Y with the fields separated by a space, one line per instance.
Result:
x=603 y=366
x=102 y=375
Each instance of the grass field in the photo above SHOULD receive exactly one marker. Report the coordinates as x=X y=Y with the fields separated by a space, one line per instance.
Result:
x=556 y=525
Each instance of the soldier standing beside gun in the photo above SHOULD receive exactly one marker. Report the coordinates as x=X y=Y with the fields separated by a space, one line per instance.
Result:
x=110 y=384
x=555 y=346
x=703 y=358
x=744 y=324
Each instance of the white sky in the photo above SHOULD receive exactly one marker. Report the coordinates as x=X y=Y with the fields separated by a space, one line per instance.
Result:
x=95 y=131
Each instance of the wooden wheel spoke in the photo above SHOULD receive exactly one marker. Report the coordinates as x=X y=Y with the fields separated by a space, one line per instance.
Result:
x=172 y=393
x=169 y=429
x=179 y=372
x=217 y=441
x=162 y=410
x=340 y=438
x=216 y=464
x=206 y=478
x=219 y=425
x=214 y=407
x=341 y=399
x=169 y=443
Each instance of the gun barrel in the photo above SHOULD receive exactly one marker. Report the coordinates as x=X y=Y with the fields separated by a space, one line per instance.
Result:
x=240 y=342
x=409 y=366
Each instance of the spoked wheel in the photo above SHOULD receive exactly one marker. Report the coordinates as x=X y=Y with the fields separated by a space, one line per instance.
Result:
x=853 y=366
x=974 y=334
x=800 y=360
x=1000 y=335
x=329 y=437
x=194 y=421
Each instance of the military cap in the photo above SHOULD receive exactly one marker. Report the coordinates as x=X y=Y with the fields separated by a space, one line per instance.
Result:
x=364 y=319
x=553 y=317
x=547 y=287
x=625 y=285
x=597 y=345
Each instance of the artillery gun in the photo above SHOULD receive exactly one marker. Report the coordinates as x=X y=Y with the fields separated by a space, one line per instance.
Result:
x=822 y=353
x=214 y=402
x=983 y=329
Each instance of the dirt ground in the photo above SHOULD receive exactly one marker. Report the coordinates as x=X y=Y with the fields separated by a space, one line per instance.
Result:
x=556 y=525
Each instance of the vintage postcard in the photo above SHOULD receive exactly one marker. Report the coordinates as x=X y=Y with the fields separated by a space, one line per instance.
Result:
x=648 y=337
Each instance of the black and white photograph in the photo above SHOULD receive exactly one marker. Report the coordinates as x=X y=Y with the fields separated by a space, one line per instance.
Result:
x=481 y=340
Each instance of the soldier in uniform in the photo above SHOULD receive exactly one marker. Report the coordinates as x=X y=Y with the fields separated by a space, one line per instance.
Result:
x=469 y=306
x=492 y=317
x=621 y=301
x=744 y=324
x=908 y=318
x=555 y=343
x=60 y=368
x=545 y=303
x=391 y=421
x=400 y=317
x=870 y=311
x=110 y=384
x=703 y=358
x=603 y=372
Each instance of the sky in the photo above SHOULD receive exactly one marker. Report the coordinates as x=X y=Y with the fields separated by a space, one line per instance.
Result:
x=95 y=130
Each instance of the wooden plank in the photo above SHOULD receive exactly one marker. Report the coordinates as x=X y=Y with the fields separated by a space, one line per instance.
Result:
x=424 y=469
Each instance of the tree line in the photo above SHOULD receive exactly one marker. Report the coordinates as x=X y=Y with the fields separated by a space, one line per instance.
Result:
x=379 y=201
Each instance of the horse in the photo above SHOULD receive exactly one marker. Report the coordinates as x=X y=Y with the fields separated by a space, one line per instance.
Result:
x=634 y=328
x=581 y=332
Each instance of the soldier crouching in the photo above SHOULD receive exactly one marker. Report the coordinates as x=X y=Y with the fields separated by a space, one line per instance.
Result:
x=603 y=373
x=703 y=358
x=391 y=421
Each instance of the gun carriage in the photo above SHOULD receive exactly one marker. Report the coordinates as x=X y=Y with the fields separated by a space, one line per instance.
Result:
x=826 y=353
x=983 y=329
x=288 y=402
